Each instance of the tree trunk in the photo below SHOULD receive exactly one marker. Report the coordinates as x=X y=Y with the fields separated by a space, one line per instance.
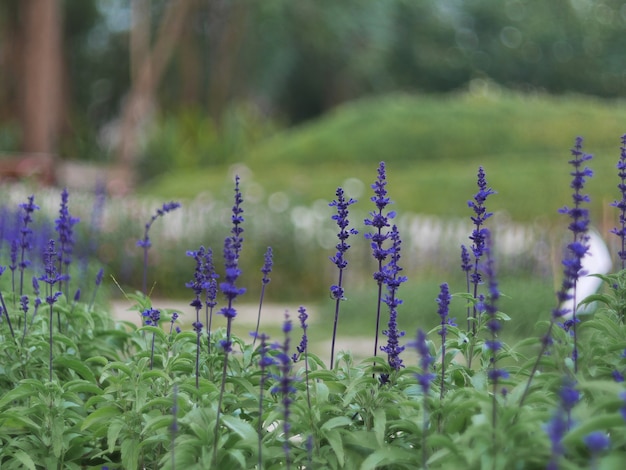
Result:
x=141 y=97
x=41 y=78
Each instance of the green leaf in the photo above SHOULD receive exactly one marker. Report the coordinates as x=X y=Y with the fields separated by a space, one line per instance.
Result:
x=21 y=391
x=389 y=456
x=130 y=453
x=334 y=439
x=242 y=428
x=380 y=423
x=336 y=422
x=25 y=459
x=101 y=414
x=58 y=426
x=593 y=423
x=113 y=433
x=76 y=365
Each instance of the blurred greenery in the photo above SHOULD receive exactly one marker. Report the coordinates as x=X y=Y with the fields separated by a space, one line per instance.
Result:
x=295 y=61
x=433 y=147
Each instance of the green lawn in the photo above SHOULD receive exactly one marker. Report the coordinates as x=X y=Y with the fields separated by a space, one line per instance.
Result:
x=433 y=147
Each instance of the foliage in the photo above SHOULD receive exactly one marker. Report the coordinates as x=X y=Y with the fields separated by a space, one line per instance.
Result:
x=435 y=142
x=96 y=394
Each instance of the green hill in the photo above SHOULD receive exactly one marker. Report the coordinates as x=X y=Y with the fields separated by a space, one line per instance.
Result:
x=433 y=146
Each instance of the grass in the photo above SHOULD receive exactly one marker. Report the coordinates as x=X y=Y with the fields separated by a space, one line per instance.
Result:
x=433 y=147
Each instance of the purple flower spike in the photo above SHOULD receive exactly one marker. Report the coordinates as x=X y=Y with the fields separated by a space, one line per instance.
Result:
x=266 y=270
x=301 y=348
x=425 y=360
x=478 y=236
x=25 y=237
x=380 y=221
x=443 y=300
x=393 y=279
x=621 y=204
x=579 y=245
x=336 y=291
x=64 y=227
x=145 y=242
x=597 y=442
x=267 y=266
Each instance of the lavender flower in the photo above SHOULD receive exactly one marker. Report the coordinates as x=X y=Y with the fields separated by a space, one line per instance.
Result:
x=425 y=360
x=572 y=264
x=338 y=259
x=151 y=318
x=478 y=234
x=578 y=226
x=443 y=300
x=64 y=227
x=264 y=362
x=172 y=321
x=25 y=237
x=210 y=291
x=424 y=379
x=232 y=248
x=197 y=285
x=466 y=266
x=621 y=204
x=145 y=242
x=393 y=280
x=379 y=220
x=597 y=442
x=561 y=421
x=51 y=277
x=302 y=349
x=285 y=385
x=266 y=270
x=491 y=310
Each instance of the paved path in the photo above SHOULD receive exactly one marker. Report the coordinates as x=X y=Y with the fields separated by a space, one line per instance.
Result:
x=272 y=315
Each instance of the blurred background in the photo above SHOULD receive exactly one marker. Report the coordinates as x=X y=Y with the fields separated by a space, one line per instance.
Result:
x=152 y=100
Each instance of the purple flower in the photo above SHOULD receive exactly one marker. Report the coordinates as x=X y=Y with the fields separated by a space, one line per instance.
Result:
x=380 y=221
x=267 y=266
x=64 y=227
x=597 y=441
x=232 y=248
x=426 y=360
x=617 y=375
x=342 y=222
x=478 y=235
x=337 y=291
x=301 y=348
x=393 y=280
x=561 y=421
x=25 y=236
x=145 y=242
x=285 y=384
x=443 y=300
x=151 y=316
x=266 y=270
x=51 y=276
x=621 y=204
x=579 y=246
